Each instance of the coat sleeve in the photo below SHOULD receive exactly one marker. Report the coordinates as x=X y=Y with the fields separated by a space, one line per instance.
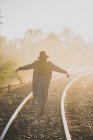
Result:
x=58 y=69
x=27 y=67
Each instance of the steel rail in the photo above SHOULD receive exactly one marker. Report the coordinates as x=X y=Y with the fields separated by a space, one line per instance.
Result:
x=67 y=133
x=4 y=132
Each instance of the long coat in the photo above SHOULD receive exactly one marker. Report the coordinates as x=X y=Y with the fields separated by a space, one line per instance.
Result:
x=49 y=68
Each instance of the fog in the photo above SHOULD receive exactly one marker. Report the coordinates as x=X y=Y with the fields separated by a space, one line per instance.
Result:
x=66 y=49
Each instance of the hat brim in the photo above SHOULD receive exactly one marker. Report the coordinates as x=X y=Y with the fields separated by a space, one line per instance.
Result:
x=43 y=57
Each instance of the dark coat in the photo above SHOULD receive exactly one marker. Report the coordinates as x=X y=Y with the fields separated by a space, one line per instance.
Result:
x=49 y=68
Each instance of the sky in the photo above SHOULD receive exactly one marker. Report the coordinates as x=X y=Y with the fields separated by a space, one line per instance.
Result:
x=47 y=15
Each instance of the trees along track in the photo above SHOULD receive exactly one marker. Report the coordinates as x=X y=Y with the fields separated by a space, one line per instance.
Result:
x=62 y=106
x=67 y=133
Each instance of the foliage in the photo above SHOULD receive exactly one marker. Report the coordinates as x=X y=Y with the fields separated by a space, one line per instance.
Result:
x=3 y=41
x=7 y=72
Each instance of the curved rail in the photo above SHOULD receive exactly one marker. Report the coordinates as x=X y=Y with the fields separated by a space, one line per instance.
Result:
x=67 y=133
x=24 y=102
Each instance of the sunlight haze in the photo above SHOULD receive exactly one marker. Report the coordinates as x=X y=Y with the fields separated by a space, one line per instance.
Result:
x=47 y=15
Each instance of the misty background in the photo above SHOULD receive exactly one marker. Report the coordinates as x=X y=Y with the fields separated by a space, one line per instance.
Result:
x=66 y=49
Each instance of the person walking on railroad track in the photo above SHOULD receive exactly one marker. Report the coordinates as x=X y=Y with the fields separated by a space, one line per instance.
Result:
x=42 y=73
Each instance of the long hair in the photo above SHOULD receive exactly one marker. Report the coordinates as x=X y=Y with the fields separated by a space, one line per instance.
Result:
x=42 y=67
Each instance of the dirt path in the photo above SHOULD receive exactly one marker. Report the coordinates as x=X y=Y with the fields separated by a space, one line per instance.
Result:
x=9 y=101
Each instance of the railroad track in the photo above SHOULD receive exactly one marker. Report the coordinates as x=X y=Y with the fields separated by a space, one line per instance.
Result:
x=67 y=133
x=62 y=108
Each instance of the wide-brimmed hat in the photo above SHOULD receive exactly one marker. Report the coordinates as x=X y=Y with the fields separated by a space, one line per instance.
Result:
x=43 y=55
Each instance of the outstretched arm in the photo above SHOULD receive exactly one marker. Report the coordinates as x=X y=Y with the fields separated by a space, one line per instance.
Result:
x=60 y=70
x=27 y=67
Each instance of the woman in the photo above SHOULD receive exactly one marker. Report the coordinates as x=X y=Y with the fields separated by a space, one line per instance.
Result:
x=42 y=73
